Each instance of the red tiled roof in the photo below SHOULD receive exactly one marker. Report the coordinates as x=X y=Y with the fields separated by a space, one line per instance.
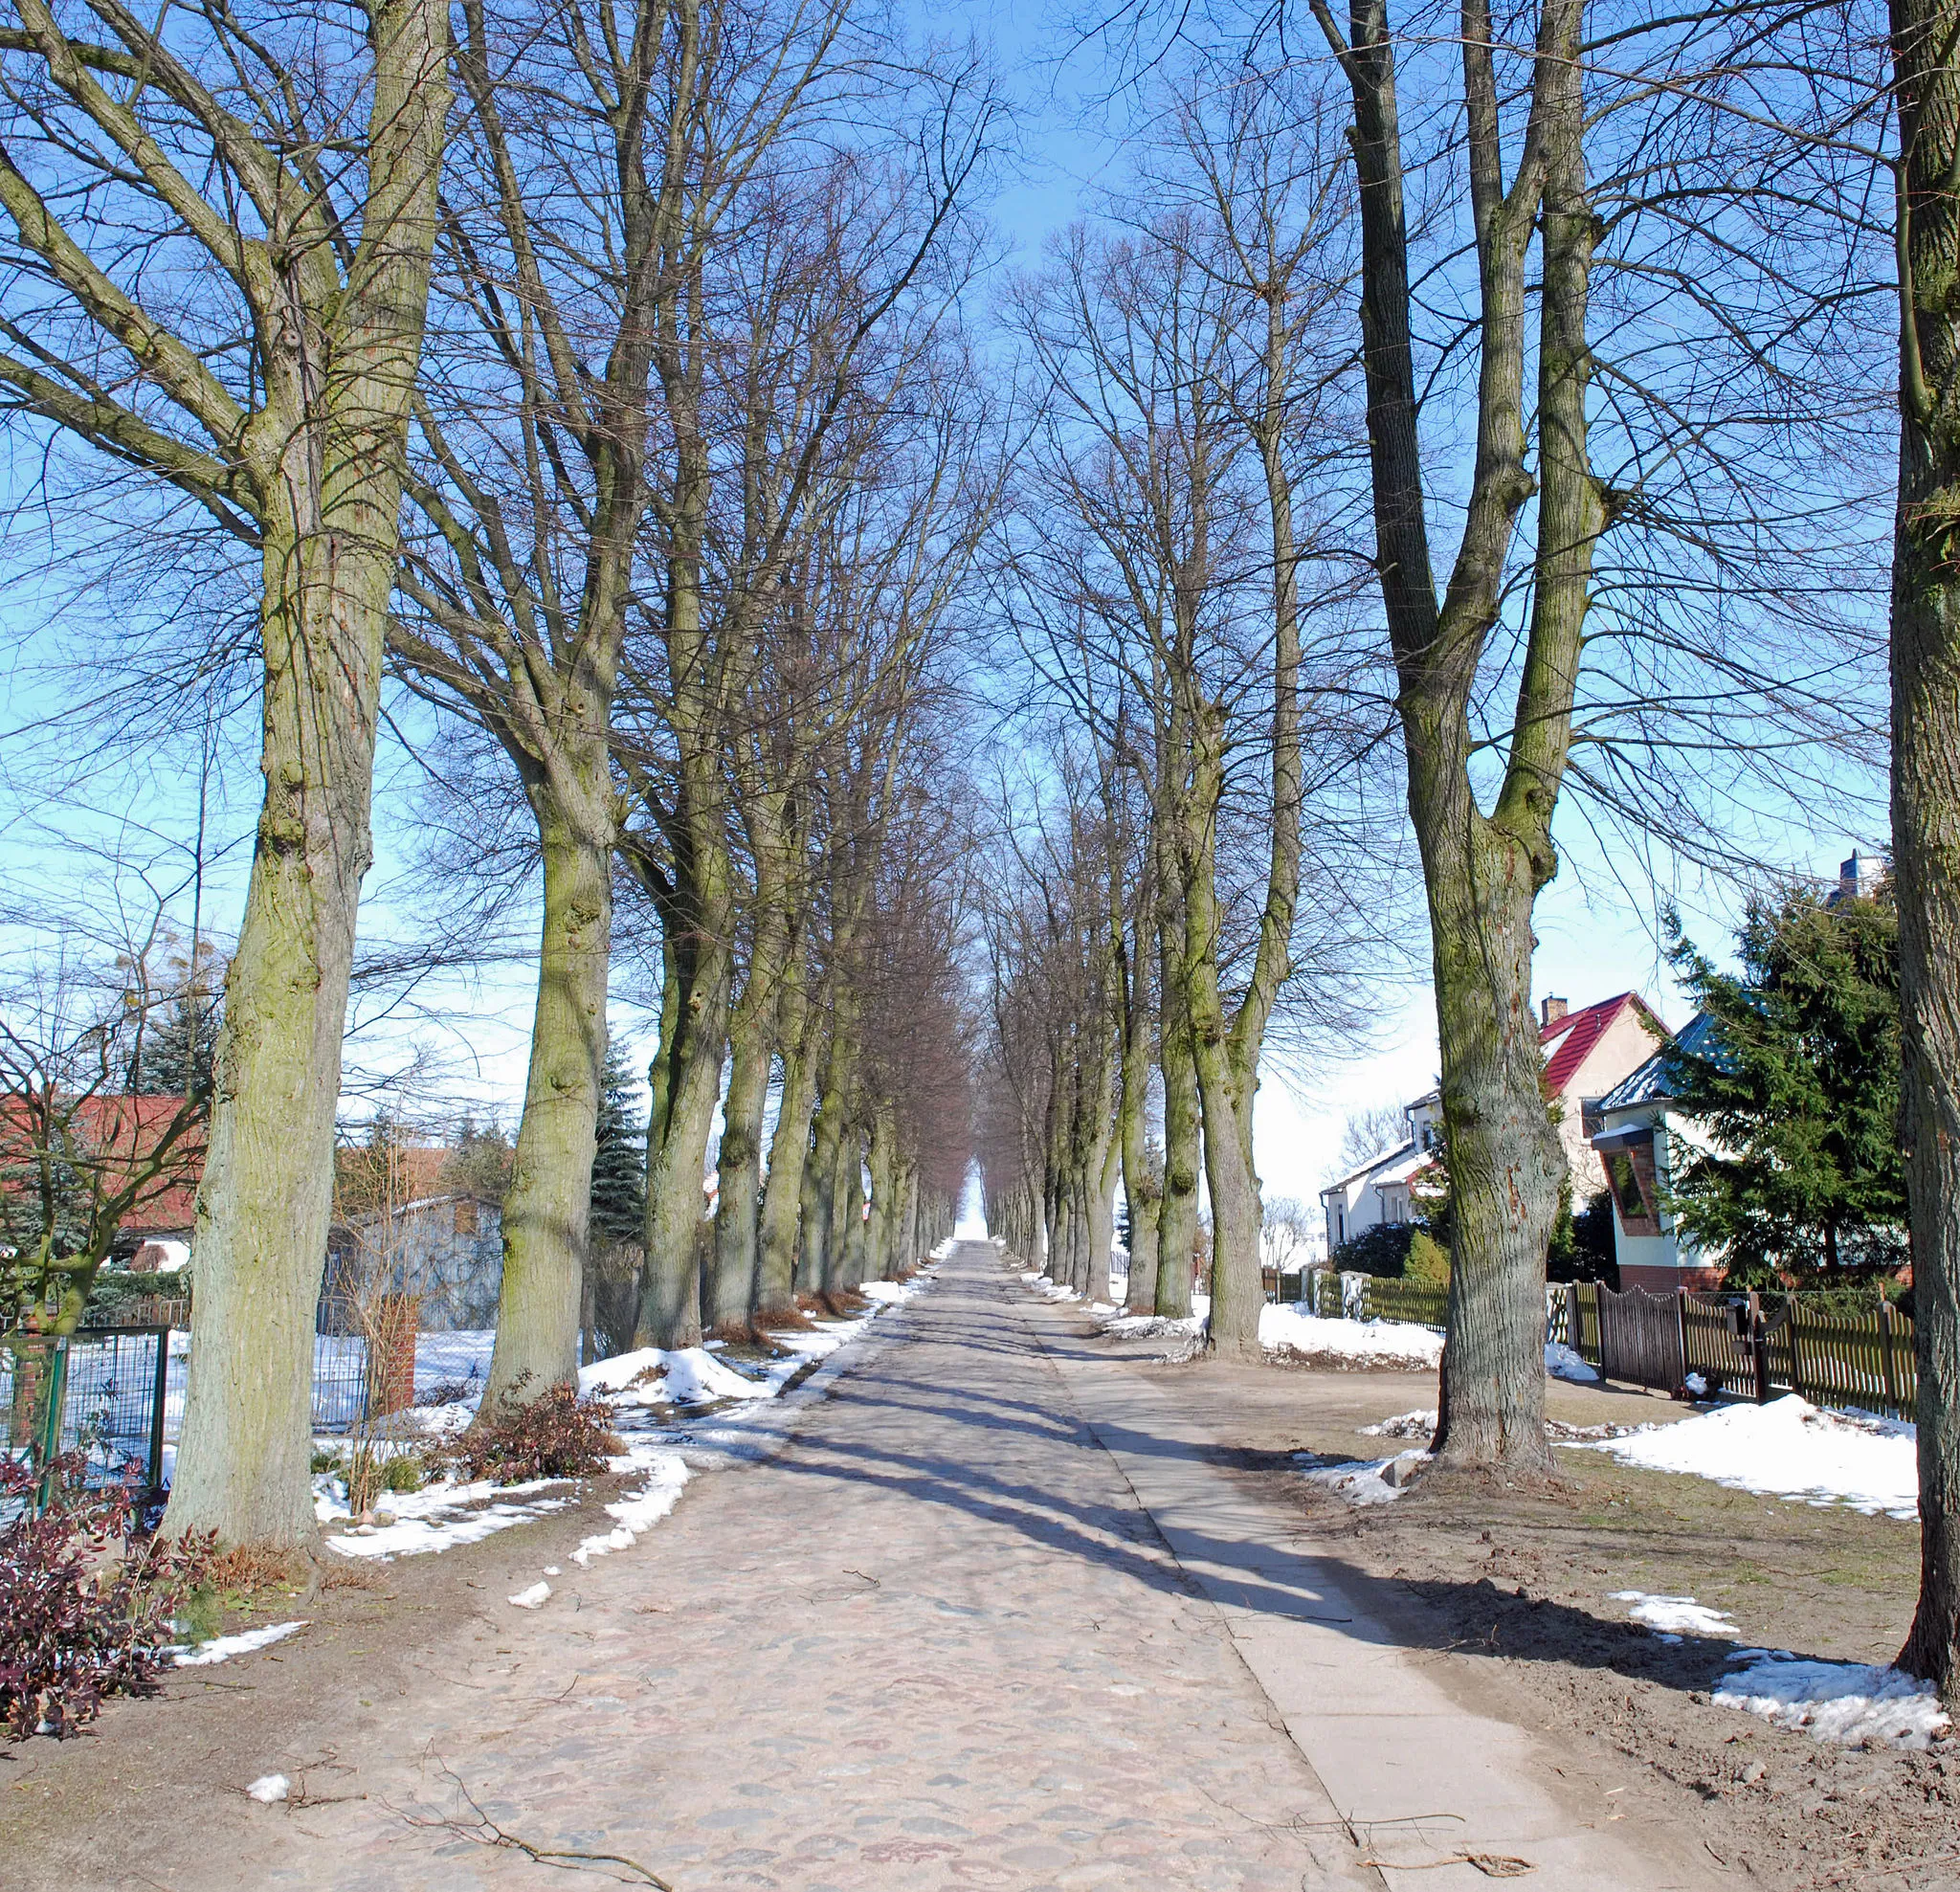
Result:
x=1575 y=1035
x=123 y=1131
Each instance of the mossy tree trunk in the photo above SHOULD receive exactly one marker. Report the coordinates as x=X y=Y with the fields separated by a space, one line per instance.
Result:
x=1483 y=872
x=1925 y=787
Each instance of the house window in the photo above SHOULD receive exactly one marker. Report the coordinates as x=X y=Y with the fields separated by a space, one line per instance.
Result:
x=1429 y=1136
x=1592 y=1119
x=1626 y=1185
x=466 y=1217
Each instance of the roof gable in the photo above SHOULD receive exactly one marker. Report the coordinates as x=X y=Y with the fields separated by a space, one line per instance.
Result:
x=1567 y=1041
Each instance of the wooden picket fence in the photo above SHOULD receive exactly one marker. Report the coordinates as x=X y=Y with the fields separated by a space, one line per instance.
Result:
x=1752 y=1346
x=1746 y=1346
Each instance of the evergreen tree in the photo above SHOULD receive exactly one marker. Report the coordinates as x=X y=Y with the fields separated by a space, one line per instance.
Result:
x=1796 y=1090
x=619 y=1161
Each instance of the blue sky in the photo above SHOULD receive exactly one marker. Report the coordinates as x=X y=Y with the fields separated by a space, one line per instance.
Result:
x=1596 y=924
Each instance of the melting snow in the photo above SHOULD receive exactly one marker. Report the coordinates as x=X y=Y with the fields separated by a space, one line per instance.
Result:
x=1845 y=1702
x=667 y=1472
x=1360 y=1481
x=1393 y=1344
x=1674 y=1616
x=222 y=1648
x=1787 y=1449
x=651 y=1376
x=269 y=1788
x=530 y=1597
x=1563 y=1364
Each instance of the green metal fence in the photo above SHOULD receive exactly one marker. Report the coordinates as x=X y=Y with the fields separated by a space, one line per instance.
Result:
x=102 y=1393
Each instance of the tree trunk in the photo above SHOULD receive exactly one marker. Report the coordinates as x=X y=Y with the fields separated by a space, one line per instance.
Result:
x=670 y=1298
x=1177 y=1224
x=548 y=1201
x=783 y=1188
x=1925 y=793
x=331 y=448
x=849 y=1239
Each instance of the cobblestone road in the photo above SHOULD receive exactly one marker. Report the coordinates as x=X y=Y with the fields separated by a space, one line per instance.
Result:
x=935 y=1643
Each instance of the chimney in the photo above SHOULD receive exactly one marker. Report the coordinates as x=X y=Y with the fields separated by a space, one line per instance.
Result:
x=1859 y=877
x=1554 y=1008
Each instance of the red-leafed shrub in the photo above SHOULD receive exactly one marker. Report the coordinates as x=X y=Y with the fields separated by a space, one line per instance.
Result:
x=85 y=1611
x=555 y=1435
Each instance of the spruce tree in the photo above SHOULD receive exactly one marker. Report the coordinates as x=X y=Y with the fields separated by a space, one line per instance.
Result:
x=619 y=1159
x=1794 y=1172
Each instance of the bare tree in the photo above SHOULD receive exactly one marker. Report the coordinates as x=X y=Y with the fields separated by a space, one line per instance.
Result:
x=220 y=226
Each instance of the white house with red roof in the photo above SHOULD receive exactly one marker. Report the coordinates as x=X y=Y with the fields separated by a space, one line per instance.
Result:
x=1586 y=1053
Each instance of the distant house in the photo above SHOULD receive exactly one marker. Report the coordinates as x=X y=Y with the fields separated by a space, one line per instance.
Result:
x=1586 y=1053
x=445 y=1249
x=115 y=1135
x=1379 y=1193
x=1636 y=1121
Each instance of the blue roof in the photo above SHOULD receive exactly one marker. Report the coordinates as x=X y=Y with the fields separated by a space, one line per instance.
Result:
x=1648 y=1085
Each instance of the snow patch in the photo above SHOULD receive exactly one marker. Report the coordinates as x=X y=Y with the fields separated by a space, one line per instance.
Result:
x=654 y=1377
x=666 y=1473
x=1381 y=1343
x=1787 y=1449
x=1404 y=1425
x=1844 y=1701
x=530 y=1597
x=1674 y=1616
x=222 y=1648
x=269 y=1788
x=1360 y=1481
x=1563 y=1364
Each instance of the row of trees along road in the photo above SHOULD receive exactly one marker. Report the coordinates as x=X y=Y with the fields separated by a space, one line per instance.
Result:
x=1611 y=307
x=594 y=371
x=597 y=367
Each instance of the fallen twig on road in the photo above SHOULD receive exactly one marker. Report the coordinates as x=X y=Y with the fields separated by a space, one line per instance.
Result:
x=486 y=1831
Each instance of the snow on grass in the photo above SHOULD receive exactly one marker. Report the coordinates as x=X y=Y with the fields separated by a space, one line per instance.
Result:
x=438 y=1517
x=530 y=1597
x=1672 y=1617
x=1349 y=1343
x=1563 y=1364
x=1786 y=1449
x=1851 y=1703
x=222 y=1648
x=269 y=1788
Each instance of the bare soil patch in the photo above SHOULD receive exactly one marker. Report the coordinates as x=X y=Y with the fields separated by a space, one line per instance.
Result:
x=1513 y=1591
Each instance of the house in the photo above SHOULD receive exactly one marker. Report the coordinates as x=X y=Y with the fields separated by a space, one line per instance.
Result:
x=1637 y=1124
x=1379 y=1191
x=446 y=1249
x=110 y=1139
x=1586 y=1053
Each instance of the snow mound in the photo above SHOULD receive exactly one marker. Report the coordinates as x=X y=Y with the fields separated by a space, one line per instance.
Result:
x=1787 y=1449
x=222 y=1648
x=653 y=1376
x=1675 y=1617
x=269 y=1788
x=1360 y=1481
x=1844 y=1701
x=531 y=1597
x=1151 y=1326
x=1404 y=1425
x=1563 y=1364
x=1351 y=1344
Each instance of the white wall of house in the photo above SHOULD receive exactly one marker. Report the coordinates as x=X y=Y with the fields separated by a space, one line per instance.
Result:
x=1622 y=1049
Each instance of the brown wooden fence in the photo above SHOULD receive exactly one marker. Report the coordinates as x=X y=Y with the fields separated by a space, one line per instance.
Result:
x=1754 y=1347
